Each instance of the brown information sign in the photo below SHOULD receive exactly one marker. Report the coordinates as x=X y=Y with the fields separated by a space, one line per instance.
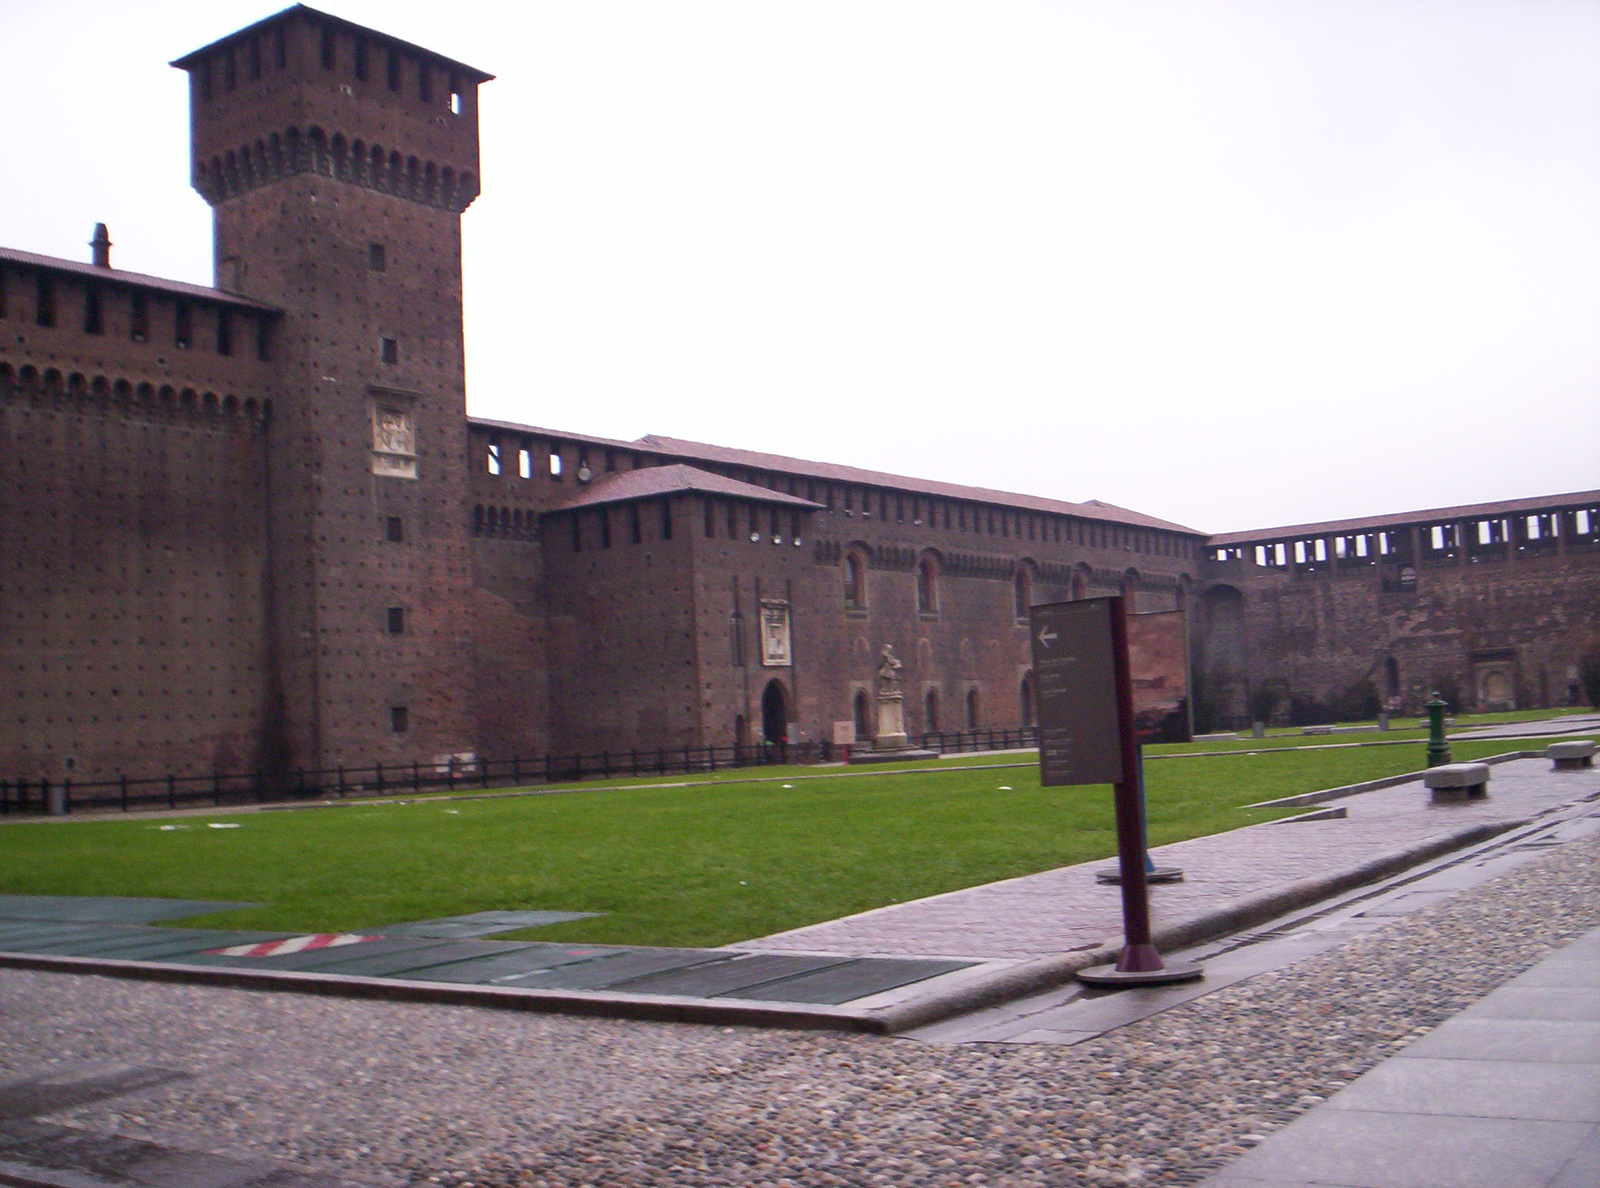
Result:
x=1079 y=741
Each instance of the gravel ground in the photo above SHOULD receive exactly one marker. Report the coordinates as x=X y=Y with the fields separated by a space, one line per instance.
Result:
x=411 y=1094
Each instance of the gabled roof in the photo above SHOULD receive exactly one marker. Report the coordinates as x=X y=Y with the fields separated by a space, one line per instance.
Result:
x=655 y=481
x=139 y=280
x=1468 y=511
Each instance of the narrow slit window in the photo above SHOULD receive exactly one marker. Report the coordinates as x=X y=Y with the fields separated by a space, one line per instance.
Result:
x=93 y=314
x=182 y=326
x=44 y=308
x=224 y=333
x=139 y=318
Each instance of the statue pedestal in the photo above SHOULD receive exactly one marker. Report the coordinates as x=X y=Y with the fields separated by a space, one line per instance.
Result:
x=890 y=745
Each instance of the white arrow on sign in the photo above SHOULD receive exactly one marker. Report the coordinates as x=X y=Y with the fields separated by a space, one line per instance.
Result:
x=1046 y=635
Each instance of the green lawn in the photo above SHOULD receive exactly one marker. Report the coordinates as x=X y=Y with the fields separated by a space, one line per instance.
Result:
x=691 y=865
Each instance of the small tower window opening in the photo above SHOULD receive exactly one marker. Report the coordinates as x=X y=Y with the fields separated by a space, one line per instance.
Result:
x=182 y=326
x=280 y=48
x=927 y=586
x=455 y=99
x=327 y=49
x=666 y=519
x=93 y=315
x=44 y=306
x=635 y=533
x=230 y=70
x=855 y=594
x=399 y=719
x=555 y=462
x=224 y=333
x=396 y=620
x=361 y=59
x=139 y=318
x=262 y=339
x=525 y=462
x=394 y=70
x=377 y=258
x=389 y=350
x=393 y=529
x=493 y=458
x=202 y=79
x=424 y=82
x=253 y=59
x=710 y=511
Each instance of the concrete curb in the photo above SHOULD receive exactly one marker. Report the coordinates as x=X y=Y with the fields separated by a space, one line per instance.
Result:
x=1245 y=911
x=1327 y=794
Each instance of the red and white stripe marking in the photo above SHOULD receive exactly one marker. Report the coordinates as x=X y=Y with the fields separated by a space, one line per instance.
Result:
x=294 y=944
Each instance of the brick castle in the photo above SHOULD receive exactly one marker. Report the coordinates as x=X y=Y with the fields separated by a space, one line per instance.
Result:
x=253 y=526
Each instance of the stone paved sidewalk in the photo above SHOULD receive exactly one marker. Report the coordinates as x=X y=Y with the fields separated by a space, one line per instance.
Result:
x=1064 y=909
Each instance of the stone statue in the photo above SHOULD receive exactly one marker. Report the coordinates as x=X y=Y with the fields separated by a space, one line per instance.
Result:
x=889 y=671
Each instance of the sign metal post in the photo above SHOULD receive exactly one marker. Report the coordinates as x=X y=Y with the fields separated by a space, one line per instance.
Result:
x=1087 y=736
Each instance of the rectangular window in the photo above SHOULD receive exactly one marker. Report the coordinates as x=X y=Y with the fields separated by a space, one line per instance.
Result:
x=493 y=459
x=733 y=520
x=424 y=82
x=224 y=333
x=555 y=462
x=634 y=532
x=230 y=70
x=377 y=258
x=397 y=620
x=93 y=315
x=255 y=58
x=394 y=70
x=666 y=519
x=182 y=326
x=399 y=719
x=361 y=59
x=327 y=49
x=393 y=529
x=525 y=462
x=389 y=349
x=280 y=48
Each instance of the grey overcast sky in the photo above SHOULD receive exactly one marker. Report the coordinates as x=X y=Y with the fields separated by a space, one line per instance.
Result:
x=1234 y=263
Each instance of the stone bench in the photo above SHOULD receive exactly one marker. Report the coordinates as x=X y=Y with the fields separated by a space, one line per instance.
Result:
x=1457 y=781
x=1571 y=755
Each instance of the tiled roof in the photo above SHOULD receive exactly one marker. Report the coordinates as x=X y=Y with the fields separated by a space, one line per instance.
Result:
x=694 y=451
x=652 y=481
x=1092 y=510
x=1508 y=507
x=137 y=279
x=472 y=72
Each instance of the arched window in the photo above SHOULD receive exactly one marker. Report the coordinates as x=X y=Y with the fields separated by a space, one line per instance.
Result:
x=1022 y=591
x=972 y=709
x=863 y=712
x=927 y=586
x=855 y=587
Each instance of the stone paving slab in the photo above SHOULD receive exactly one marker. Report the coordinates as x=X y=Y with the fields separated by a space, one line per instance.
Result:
x=1062 y=910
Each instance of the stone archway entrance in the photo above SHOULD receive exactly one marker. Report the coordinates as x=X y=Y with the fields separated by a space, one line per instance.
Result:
x=775 y=714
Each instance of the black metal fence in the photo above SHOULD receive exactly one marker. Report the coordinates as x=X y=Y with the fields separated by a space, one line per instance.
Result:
x=221 y=789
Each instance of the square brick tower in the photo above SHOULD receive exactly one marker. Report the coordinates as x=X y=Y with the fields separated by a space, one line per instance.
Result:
x=337 y=161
